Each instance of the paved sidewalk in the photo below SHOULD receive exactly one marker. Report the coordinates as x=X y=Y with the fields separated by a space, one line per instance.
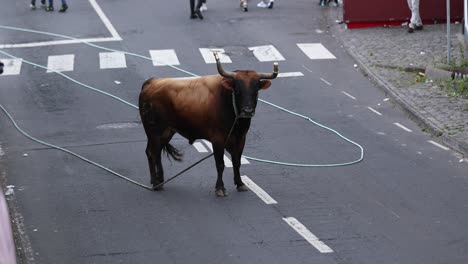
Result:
x=384 y=52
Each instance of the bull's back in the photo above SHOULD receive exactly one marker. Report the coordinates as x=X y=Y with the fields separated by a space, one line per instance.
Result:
x=186 y=105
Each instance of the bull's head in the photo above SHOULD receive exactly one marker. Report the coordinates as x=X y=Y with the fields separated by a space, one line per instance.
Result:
x=245 y=86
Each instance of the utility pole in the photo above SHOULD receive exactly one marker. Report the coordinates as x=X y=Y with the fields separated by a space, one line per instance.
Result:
x=448 y=32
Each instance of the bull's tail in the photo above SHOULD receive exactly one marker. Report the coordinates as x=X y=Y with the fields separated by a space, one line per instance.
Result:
x=172 y=152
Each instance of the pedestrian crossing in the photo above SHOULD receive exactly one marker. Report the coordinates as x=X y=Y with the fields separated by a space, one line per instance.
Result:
x=168 y=57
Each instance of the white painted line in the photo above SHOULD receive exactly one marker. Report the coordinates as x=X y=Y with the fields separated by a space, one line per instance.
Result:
x=56 y=42
x=244 y=161
x=315 y=51
x=105 y=20
x=61 y=63
x=11 y=66
x=102 y=16
x=438 y=145
x=267 y=53
x=200 y=148
x=290 y=74
x=375 y=111
x=350 y=96
x=164 y=57
x=307 y=235
x=208 y=56
x=258 y=191
x=227 y=161
x=309 y=70
x=403 y=127
x=325 y=81
x=112 y=60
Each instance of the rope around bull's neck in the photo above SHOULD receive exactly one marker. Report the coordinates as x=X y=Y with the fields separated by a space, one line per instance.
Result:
x=181 y=70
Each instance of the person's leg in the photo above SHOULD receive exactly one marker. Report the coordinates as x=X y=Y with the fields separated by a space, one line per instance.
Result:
x=192 y=8
x=51 y=6
x=64 y=6
x=197 y=9
x=415 y=17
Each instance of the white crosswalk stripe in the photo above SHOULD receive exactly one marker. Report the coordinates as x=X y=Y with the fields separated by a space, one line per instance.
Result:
x=316 y=51
x=208 y=56
x=267 y=53
x=61 y=63
x=12 y=66
x=164 y=57
x=112 y=60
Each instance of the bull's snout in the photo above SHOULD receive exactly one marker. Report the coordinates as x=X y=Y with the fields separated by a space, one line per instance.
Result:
x=248 y=112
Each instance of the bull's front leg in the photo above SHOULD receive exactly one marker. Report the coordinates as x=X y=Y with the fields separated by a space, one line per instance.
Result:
x=218 y=155
x=236 y=155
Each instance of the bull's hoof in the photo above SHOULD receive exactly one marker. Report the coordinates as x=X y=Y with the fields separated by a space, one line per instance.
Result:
x=158 y=187
x=221 y=193
x=242 y=188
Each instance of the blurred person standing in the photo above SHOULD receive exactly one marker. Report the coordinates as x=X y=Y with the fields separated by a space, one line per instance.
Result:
x=415 y=21
x=63 y=8
x=195 y=11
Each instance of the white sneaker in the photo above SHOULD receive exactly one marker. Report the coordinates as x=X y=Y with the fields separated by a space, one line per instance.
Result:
x=203 y=8
x=262 y=4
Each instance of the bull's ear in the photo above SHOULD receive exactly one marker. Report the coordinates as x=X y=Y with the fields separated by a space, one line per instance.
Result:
x=264 y=84
x=228 y=84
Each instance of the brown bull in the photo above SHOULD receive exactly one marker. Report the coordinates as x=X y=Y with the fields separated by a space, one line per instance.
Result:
x=205 y=107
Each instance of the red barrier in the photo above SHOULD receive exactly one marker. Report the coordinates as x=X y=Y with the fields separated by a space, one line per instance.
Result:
x=365 y=13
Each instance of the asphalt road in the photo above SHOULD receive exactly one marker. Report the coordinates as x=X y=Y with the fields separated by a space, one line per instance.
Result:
x=406 y=202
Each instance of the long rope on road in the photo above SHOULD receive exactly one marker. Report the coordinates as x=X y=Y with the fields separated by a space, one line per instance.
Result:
x=189 y=73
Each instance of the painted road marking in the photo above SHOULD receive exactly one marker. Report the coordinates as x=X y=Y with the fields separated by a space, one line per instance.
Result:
x=438 y=145
x=290 y=74
x=11 y=66
x=350 y=96
x=266 y=53
x=403 y=127
x=315 y=51
x=375 y=111
x=208 y=56
x=325 y=81
x=60 y=63
x=258 y=191
x=112 y=60
x=307 y=235
x=102 y=16
x=227 y=161
x=200 y=148
x=164 y=57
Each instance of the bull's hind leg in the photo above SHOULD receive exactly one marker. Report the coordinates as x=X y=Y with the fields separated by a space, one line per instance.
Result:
x=157 y=138
x=218 y=155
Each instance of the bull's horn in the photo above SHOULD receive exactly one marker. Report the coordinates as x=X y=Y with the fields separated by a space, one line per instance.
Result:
x=270 y=75
x=222 y=72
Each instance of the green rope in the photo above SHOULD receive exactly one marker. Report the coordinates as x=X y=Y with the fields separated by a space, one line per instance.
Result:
x=361 y=157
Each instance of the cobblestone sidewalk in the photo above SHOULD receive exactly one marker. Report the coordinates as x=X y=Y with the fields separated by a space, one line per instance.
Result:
x=392 y=58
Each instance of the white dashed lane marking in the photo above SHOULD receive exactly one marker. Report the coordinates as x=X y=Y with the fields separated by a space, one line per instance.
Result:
x=200 y=148
x=290 y=74
x=307 y=235
x=403 y=127
x=258 y=191
x=438 y=145
x=375 y=111
x=350 y=96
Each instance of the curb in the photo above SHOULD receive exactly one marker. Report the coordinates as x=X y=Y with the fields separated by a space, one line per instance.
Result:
x=414 y=114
